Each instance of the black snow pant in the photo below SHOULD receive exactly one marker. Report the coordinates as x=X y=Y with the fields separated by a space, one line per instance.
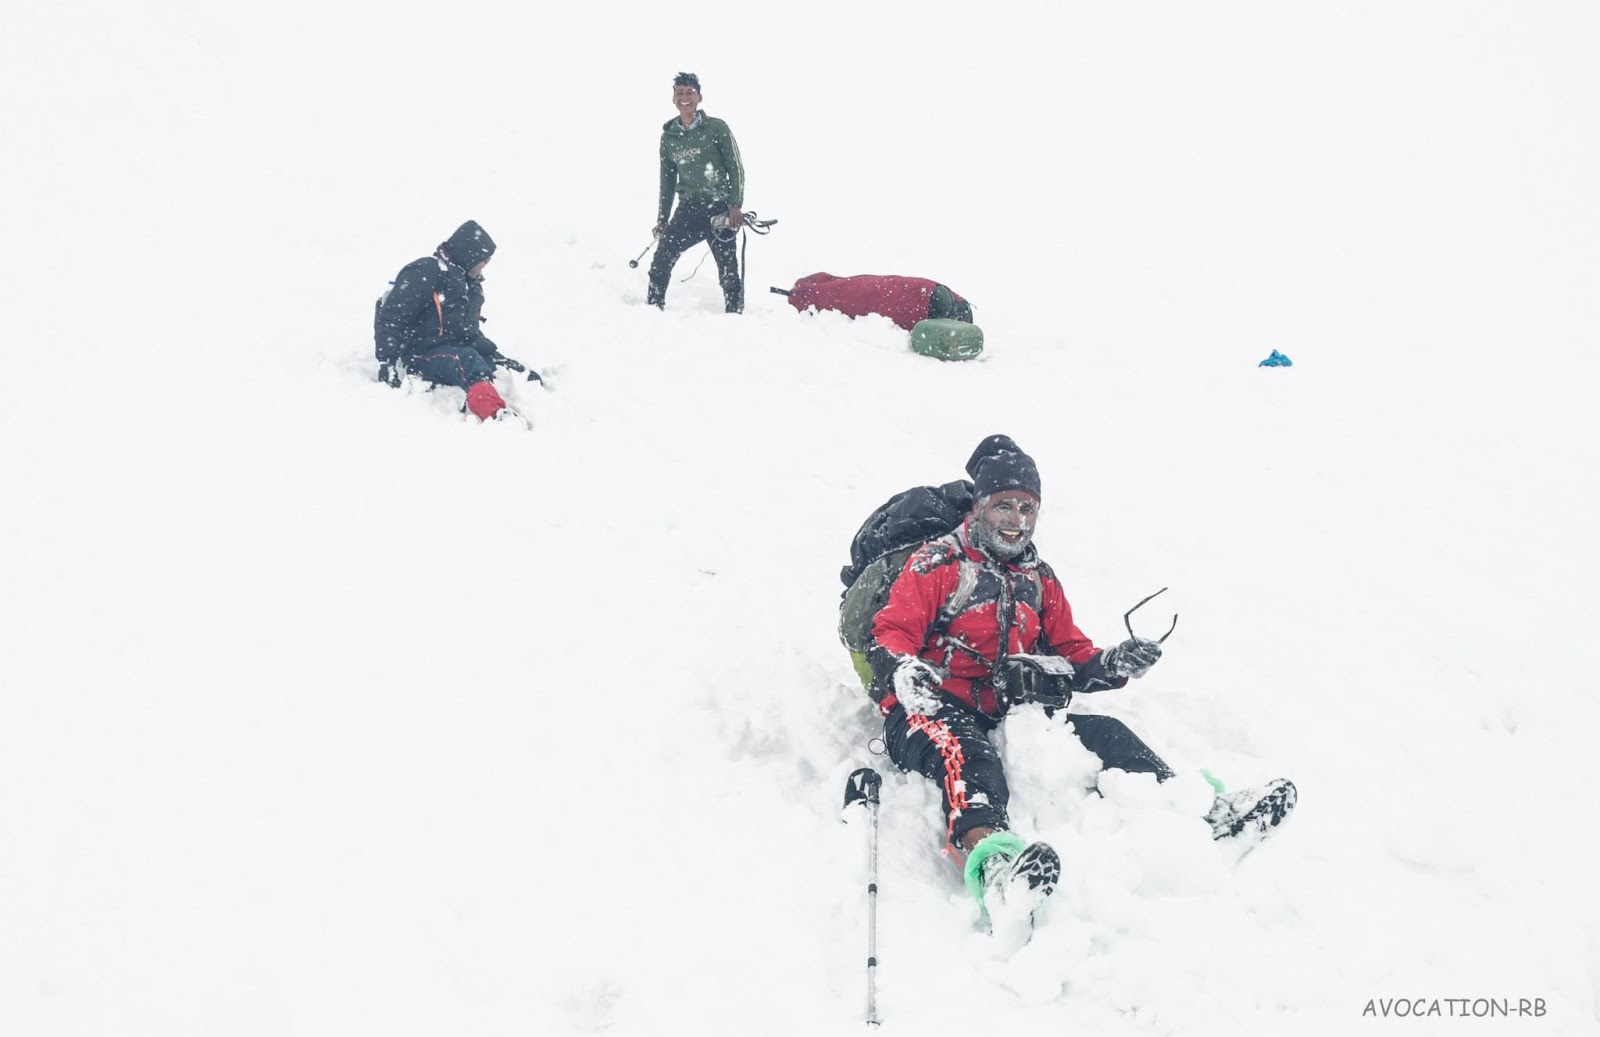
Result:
x=952 y=748
x=690 y=225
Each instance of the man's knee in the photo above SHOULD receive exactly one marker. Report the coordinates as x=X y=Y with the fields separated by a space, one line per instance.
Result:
x=461 y=367
x=1094 y=728
x=1118 y=747
x=944 y=748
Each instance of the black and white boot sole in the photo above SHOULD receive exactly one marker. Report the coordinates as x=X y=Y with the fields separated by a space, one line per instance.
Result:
x=1271 y=807
x=1036 y=870
x=1018 y=892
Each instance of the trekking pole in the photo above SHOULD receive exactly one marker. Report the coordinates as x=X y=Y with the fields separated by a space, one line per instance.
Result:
x=634 y=262
x=862 y=787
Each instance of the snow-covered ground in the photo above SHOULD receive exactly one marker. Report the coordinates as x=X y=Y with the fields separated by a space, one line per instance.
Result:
x=326 y=710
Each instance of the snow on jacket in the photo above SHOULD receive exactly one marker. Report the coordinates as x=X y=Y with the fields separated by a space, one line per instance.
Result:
x=1040 y=620
x=434 y=304
x=699 y=164
x=904 y=300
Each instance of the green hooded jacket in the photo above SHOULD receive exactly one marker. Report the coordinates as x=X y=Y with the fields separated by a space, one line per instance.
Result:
x=700 y=164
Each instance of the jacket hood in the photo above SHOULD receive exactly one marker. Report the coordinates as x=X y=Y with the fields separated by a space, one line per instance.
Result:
x=468 y=246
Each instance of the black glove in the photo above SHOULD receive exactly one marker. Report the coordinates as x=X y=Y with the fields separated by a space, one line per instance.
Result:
x=389 y=374
x=1045 y=679
x=501 y=360
x=1132 y=658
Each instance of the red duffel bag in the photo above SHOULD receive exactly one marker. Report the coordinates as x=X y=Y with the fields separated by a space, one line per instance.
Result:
x=904 y=300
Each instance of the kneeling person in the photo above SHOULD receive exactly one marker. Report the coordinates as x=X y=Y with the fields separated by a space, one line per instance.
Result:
x=429 y=323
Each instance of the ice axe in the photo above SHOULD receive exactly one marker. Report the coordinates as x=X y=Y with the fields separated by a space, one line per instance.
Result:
x=653 y=239
x=634 y=262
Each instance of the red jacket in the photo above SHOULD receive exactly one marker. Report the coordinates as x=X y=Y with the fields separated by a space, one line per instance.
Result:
x=905 y=626
x=903 y=300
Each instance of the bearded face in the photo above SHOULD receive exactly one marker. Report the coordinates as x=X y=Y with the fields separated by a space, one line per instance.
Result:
x=1003 y=523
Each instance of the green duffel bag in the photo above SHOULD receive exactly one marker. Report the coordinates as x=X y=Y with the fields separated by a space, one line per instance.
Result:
x=947 y=339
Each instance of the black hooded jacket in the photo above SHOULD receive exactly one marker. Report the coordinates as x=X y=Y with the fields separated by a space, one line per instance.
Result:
x=434 y=304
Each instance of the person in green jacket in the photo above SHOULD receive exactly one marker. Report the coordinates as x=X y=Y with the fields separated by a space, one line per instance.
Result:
x=700 y=164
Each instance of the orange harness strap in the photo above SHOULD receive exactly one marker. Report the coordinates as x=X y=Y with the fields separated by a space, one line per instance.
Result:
x=955 y=787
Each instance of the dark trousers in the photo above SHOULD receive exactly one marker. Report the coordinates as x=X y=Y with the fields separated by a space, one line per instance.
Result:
x=459 y=366
x=690 y=225
x=1117 y=746
x=952 y=749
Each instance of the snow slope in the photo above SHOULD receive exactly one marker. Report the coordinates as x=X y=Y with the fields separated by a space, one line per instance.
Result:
x=329 y=711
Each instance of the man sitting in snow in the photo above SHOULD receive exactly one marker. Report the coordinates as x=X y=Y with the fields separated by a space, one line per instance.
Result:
x=428 y=324
x=1011 y=639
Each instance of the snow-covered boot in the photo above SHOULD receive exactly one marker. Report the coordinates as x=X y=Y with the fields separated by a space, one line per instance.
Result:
x=1251 y=813
x=511 y=415
x=1010 y=880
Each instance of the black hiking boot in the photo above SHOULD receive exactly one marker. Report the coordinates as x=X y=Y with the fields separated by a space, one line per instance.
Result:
x=1253 y=813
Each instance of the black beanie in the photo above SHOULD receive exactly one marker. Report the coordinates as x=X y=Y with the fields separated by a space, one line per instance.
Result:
x=988 y=448
x=1005 y=471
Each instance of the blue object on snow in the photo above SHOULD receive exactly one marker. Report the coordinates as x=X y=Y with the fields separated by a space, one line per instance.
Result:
x=1277 y=359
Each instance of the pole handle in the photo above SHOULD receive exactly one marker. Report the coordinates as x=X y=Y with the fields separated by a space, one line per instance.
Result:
x=862 y=787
